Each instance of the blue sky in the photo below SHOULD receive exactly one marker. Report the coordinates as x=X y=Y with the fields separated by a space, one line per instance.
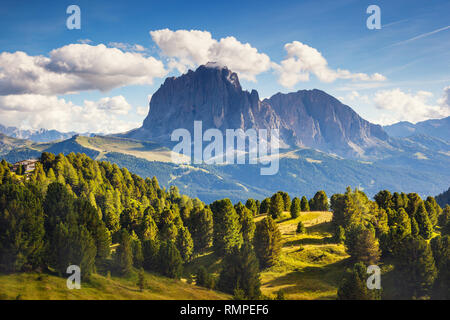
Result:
x=410 y=53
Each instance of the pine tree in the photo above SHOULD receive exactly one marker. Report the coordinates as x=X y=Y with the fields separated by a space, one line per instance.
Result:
x=362 y=245
x=150 y=249
x=295 y=208
x=319 y=202
x=241 y=271
x=136 y=249
x=425 y=226
x=21 y=228
x=265 y=206
x=267 y=242
x=185 y=244
x=124 y=253
x=226 y=227
x=441 y=251
x=414 y=267
x=201 y=228
x=354 y=285
x=251 y=205
x=276 y=206
x=300 y=227
x=304 y=204
x=247 y=223
x=170 y=261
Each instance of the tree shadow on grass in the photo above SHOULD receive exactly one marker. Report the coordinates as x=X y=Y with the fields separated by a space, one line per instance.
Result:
x=312 y=279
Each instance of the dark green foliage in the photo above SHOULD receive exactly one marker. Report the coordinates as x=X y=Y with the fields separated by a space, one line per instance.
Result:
x=246 y=221
x=339 y=235
x=362 y=245
x=265 y=206
x=444 y=198
x=286 y=200
x=433 y=209
x=300 y=228
x=252 y=206
x=136 y=249
x=202 y=229
x=124 y=253
x=423 y=222
x=150 y=250
x=441 y=253
x=384 y=199
x=354 y=285
x=295 y=208
x=319 y=202
x=444 y=217
x=276 y=205
x=21 y=228
x=267 y=242
x=241 y=271
x=226 y=227
x=304 y=204
x=170 y=261
x=185 y=244
x=203 y=278
x=414 y=267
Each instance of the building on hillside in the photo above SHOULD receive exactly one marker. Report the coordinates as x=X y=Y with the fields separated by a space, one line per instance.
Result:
x=28 y=165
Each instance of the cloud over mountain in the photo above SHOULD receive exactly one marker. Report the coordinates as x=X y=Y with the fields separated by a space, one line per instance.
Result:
x=190 y=48
x=303 y=60
x=397 y=105
x=40 y=111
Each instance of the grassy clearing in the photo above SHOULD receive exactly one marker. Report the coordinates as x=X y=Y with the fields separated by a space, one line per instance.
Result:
x=32 y=286
x=310 y=266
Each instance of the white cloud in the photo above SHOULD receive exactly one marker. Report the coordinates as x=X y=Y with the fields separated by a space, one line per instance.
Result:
x=190 y=48
x=74 y=68
x=302 y=60
x=397 y=105
x=142 y=111
x=51 y=112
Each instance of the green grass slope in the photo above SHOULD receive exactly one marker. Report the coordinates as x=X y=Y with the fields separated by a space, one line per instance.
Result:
x=33 y=286
x=310 y=266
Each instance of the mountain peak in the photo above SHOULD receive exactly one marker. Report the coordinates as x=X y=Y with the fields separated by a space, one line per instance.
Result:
x=212 y=94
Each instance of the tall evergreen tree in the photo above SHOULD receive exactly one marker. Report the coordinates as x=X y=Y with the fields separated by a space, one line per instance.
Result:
x=201 y=228
x=354 y=285
x=425 y=226
x=414 y=267
x=124 y=253
x=295 y=208
x=185 y=244
x=170 y=261
x=241 y=271
x=226 y=227
x=304 y=204
x=362 y=245
x=276 y=205
x=267 y=242
x=319 y=202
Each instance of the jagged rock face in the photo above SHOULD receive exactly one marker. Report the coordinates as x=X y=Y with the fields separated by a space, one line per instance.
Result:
x=213 y=95
x=210 y=94
x=321 y=121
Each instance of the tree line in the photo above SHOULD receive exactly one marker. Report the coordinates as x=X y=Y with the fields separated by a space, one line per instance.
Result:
x=74 y=210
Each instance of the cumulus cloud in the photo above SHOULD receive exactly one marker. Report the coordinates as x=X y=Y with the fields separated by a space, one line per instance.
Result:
x=397 y=105
x=142 y=111
x=190 y=48
x=303 y=60
x=51 y=112
x=74 y=68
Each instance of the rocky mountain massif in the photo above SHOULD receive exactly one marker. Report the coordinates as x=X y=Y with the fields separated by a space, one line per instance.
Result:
x=306 y=118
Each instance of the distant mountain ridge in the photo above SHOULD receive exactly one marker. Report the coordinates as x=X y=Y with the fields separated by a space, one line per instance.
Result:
x=438 y=128
x=306 y=118
x=38 y=135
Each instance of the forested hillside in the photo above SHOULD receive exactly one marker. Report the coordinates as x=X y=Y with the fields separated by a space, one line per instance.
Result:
x=74 y=210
